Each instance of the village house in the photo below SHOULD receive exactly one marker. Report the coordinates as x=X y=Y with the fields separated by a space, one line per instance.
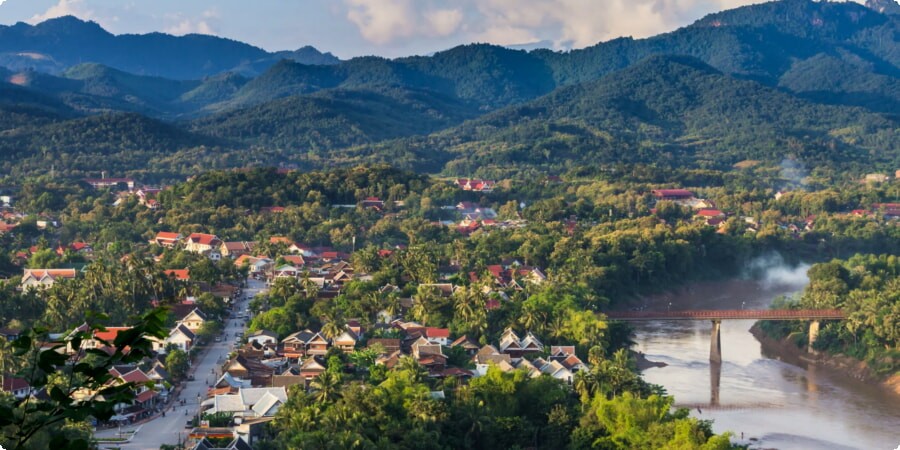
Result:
x=475 y=185
x=372 y=203
x=489 y=355
x=194 y=320
x=178 y=274
x=179 y=337
x=249 y=402
x=263 y=337
x=429 y=355
x=104 y=183
x=254 y=370
x=516 y=348
x=468 y=344
x=202 y=243
x=167 y=239
x=17 y=387
x=44 y=278
x=234 y=250
x=311 y=368
x=388 y=344
x=256 y=265
x=346 y=341
x=145 y=399
x=438 y=336
x=304 y=343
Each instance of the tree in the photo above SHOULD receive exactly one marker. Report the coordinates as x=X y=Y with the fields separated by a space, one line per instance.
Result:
x=326 y=387
x=22 y=421
x=177 y=363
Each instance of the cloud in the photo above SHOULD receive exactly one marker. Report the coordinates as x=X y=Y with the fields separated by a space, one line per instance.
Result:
x=567 y=23
x=181 y=25
x=386 y=21
x=76 y=8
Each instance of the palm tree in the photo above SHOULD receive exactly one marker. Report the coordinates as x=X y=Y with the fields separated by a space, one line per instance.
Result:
x=391 y=304
x=332 y=327
x=532 y=318
x=326 y=387
x=412 y=367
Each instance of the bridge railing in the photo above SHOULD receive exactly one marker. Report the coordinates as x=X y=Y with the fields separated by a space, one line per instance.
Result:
x=728 y=314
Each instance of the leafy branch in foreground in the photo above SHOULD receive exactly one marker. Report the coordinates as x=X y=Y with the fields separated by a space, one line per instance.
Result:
x=77 y=385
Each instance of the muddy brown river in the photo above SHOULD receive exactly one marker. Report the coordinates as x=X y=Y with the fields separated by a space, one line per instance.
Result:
x=777 y=403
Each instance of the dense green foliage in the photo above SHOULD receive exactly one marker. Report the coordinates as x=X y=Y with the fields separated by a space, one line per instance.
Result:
x=669 y=111
x=337 y=119
x=499 y=410
x=867 y=289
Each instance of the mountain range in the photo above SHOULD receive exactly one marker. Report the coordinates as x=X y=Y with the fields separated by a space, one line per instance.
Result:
x=818 y=81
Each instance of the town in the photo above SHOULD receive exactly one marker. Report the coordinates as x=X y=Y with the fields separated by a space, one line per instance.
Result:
x=252 y=319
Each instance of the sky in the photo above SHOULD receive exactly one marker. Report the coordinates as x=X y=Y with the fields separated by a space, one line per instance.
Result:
x=390 y=28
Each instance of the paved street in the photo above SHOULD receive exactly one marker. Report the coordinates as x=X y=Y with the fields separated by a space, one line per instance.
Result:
x=171 y=428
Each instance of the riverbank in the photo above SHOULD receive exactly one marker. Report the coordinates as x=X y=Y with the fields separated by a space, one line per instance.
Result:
x=842 y=364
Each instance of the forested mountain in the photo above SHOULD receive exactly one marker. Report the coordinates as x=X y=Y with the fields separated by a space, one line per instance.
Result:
x=338 y=118
x=57 y=44
x=819 y=81
x=666 y=110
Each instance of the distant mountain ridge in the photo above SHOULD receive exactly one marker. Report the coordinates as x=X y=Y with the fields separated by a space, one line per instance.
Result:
x=57 y=44
x=818 y=80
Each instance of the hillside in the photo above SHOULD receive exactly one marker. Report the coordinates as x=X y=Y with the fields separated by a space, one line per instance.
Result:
x=818 y=81
x=669 y=111
x=57 y=44
x=338 y=118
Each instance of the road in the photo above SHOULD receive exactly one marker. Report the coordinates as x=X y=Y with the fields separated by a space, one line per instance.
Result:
x=171 y=428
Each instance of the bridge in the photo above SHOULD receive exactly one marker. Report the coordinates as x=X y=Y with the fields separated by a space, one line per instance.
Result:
x=718 y=315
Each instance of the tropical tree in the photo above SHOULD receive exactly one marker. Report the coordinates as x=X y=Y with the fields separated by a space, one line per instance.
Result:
x=326 y=387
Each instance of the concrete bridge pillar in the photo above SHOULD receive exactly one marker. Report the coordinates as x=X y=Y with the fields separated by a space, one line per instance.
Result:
x=715 y=343
x=813 y=334
x=715 y=380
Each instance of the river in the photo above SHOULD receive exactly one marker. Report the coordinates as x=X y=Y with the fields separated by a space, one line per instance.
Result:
x=780 y=404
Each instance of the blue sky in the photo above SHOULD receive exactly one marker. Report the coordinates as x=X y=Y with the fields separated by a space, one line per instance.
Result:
x=389 y=28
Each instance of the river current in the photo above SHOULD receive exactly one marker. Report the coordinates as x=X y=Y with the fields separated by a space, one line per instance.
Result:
x=780 y=404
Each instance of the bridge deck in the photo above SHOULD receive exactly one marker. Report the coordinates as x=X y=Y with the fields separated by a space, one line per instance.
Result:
x=730 y=314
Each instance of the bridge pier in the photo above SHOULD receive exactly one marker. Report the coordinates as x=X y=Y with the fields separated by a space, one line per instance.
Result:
x=715 y=380
x=813 y=335
x=715 y=342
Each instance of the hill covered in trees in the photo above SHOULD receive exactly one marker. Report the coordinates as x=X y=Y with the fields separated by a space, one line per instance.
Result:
x=816 y=81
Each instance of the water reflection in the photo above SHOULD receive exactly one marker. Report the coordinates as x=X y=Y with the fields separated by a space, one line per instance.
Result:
x=778 y=399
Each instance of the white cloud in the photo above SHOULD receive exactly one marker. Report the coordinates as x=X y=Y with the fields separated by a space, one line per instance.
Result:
x=386 y=21
x=188 y=26
x=443 y=22
x=568 y=23
x=180 y=25
x=76 y=8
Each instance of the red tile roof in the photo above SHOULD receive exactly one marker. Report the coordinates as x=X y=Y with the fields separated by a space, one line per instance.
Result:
x=11 y=384
x=53 y=273
x=679 y=193
x=202 y=238
x=437 y=332
x=135 y=376
x=710 y=213
x=179 y=274
x=167 y=236
x=110 y=334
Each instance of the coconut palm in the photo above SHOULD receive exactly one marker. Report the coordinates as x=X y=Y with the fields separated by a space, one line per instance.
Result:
x=412 y=367
x=326 y=387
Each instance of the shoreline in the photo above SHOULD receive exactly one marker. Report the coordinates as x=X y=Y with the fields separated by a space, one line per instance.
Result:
x=843 y=365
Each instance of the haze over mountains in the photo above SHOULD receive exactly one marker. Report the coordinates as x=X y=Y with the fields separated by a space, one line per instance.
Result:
x=819 y=81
